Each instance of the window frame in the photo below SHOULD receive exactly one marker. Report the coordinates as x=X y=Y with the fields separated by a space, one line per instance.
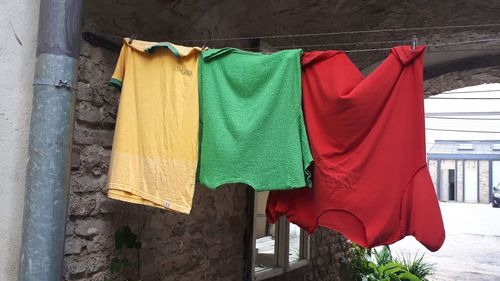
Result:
x=282 y=247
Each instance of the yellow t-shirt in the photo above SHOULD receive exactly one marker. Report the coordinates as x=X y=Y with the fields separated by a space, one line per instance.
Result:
x=155 y=146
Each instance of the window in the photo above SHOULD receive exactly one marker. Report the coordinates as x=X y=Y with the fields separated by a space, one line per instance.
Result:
x=496 y=146
x=278 y=248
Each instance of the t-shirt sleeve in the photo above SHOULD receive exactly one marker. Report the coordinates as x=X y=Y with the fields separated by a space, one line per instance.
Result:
x=119 y=73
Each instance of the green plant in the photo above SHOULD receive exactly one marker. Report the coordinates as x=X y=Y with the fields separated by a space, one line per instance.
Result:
x=383 y=256
x=380 y=265
x=357 y=258
x=417 y=266
x=391 y=271
x=124 y=239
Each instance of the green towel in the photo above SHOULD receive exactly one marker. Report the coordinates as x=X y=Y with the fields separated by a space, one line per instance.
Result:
x=251 y=122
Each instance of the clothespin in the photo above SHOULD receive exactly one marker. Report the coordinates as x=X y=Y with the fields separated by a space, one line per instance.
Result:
x=414 y=42
x=131 y=38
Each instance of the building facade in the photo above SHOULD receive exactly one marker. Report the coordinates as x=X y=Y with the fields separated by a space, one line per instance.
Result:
x=463 y=170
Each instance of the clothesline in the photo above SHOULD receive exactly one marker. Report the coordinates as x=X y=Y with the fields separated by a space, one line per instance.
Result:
x=380 y=49
x=325 y=33
x=382 y=42
x=464 y=50
x=340 y=33
x=100 y=40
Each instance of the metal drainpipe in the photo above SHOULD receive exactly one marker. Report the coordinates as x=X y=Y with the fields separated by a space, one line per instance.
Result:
x=52 y=117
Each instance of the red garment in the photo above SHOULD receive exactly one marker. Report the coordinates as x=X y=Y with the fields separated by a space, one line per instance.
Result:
x=367 y=137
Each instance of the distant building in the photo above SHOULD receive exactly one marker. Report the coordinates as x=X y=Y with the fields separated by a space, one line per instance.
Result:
x=465 y=170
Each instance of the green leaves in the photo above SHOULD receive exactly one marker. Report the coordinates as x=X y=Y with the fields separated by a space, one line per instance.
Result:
x=384 y=256
x=408 y=276
x=380 y=265
x=416 y=265
x=125 y=236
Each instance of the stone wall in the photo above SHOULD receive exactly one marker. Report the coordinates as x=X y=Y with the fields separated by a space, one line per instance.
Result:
x=484 y=181
x=92 y=217
x=459 y=79
x=208 y=244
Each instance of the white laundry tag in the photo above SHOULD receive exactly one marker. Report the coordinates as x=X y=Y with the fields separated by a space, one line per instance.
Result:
x=167 y=205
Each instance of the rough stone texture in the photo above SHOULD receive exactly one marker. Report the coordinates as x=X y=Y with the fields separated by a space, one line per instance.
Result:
x=196 y=19
x=484 y=181
x=209 y=244
x=92 y=218
x=433 y=170
x=460 y=181
x=460 y=79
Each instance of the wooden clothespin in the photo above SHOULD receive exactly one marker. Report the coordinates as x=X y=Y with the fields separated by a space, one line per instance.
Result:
x=414 y=42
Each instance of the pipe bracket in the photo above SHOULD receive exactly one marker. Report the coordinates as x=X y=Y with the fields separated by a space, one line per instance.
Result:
x=59 y=84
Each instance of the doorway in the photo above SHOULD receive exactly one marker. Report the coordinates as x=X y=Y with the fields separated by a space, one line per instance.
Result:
x=452 y=186
x=471 y=182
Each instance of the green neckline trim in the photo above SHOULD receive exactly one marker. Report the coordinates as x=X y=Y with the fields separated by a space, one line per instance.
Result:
x=213 y=53
x=166 y=45
x=117 y=83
